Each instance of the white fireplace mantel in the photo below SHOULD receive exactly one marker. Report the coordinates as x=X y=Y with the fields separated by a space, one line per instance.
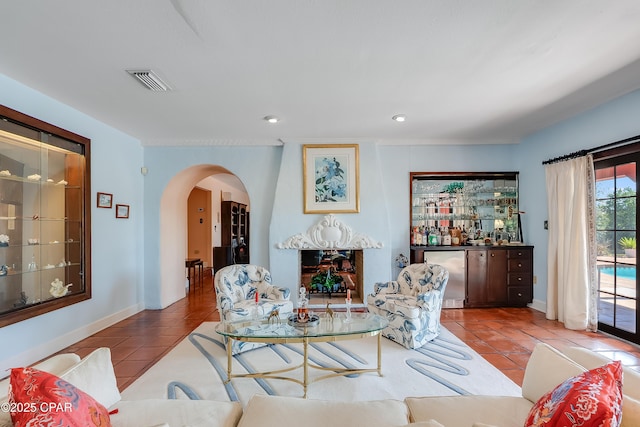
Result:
x=330 y=233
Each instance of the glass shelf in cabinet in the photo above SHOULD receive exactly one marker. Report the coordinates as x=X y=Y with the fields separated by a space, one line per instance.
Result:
x=38 y=180
x=14 y=272
x=34 y=217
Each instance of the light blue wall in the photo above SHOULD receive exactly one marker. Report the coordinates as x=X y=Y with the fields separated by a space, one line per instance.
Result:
x=384 y=199
x=613 y=121
x=288 y=218
x=398 y=161
x=256 y=167
x=117 y=244
x=126 y=255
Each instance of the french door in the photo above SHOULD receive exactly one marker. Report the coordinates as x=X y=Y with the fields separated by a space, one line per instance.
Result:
x=616 y=233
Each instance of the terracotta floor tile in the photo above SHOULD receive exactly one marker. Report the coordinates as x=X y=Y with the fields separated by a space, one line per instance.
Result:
x=515 y=334
x=529 y=344
x=481 y=347
x=507 y=346
x=520 y=359
x=96 y=342
x=142 y=340
x=495 y=324
x=123 y=382
x=475 y=326
x=130 y=368
x=541 y=334
x=515 y=375
x=500 y=361
x=121 y=353
x=489 y=335
x=119 y=331
x=465 y=335
x=452 y=326
x=147 y=353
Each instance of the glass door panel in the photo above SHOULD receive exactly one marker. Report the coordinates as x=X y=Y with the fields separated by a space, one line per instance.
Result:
x=616 y=221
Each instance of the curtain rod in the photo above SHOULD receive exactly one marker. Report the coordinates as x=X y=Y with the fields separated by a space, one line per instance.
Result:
x=591 y=150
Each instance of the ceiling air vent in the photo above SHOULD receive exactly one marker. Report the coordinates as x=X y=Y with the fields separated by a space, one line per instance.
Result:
x=150 y=80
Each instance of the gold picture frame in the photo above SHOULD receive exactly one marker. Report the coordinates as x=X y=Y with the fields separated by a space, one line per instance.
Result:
x=331 y=178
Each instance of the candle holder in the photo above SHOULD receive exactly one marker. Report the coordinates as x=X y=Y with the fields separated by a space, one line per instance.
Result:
x=256 y=312
x=348 y=303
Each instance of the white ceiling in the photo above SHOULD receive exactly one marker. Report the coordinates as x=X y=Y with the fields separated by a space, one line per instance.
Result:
x=463 y=71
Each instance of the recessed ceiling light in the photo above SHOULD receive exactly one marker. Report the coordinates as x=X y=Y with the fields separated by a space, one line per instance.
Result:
x=399 y=117
x=272 y=119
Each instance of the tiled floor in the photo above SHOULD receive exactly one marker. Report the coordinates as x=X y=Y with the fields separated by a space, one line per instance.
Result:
x=503 y=336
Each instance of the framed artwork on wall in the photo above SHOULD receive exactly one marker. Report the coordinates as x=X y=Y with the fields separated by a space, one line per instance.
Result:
x=122 y=211
x=105 y=200
x=331 y=178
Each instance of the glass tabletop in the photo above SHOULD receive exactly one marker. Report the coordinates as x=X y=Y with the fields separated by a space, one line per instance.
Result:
x=360 y=323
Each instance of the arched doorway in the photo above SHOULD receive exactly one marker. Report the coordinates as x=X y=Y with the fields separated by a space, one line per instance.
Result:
x=173 y=221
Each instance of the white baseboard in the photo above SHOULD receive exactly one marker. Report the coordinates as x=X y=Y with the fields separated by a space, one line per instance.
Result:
x=46 y=349
x=538 y=305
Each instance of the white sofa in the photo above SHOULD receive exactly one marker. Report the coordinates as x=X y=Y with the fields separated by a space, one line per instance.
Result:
x=95 y=376
x=546 y=369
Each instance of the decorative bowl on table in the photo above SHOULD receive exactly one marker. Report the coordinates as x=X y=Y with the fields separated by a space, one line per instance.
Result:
x=313 y=320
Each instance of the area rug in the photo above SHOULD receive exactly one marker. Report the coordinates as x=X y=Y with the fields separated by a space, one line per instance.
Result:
x=196 y=369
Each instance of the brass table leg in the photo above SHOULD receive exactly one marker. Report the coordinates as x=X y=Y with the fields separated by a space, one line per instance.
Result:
x=379 y=354
x=229 y=358
x=305 y=363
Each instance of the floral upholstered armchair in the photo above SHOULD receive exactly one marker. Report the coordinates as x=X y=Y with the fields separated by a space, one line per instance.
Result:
x=412 y=304
x=236 y=287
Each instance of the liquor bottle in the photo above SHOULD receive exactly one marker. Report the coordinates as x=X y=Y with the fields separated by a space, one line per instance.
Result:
x=446 y=238
x=433 y=237
x=303 y=305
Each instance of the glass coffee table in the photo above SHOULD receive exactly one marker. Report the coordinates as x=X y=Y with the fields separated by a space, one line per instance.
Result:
x=325 y=329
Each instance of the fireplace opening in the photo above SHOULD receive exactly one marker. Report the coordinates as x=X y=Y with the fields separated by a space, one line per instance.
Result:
x=328 y=275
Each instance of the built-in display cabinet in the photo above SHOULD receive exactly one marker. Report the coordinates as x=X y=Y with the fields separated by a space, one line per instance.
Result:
x=44 y=217
x=481 y=205
x=234 y=239
x=470 y=223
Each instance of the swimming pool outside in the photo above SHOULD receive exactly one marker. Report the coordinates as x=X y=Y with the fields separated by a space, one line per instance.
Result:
x=620 y=272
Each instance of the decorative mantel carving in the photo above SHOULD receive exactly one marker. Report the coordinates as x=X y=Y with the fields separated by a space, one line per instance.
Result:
x=330 y=233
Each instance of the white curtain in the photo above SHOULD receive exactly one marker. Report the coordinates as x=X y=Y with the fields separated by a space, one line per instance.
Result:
x=572 y=288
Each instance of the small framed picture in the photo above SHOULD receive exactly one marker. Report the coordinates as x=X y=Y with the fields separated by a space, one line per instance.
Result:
x=122 y=211
x=105 y=200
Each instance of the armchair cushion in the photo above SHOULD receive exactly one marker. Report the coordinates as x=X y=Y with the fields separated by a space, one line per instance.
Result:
x=392 y=287
x=412 y=303
x=236 y=287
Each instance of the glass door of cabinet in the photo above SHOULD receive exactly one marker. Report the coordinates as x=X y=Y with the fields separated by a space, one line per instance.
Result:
x=616 y=233
x=44 y=217
x=482 y=205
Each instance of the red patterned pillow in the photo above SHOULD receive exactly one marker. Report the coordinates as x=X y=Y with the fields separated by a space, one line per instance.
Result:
x=593 y=398
x=40 y=398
